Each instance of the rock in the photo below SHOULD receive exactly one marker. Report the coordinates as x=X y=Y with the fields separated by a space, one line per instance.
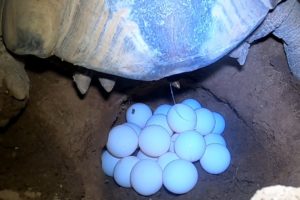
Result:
x=278 y=192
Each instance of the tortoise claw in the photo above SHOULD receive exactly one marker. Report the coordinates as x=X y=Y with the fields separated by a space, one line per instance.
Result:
x=82 y=82
x=107 y=84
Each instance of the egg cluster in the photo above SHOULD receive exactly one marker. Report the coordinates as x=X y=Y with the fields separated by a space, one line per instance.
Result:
x=151 y=150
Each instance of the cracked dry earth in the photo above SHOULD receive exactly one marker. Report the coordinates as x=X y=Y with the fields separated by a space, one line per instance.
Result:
x=51 y=151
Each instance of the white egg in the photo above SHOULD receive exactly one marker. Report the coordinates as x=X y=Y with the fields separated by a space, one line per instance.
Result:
x=181 y=118
x=180 y=176
x=205 y=121
x=138 y=114
x=162 y=109
x=143 y=156
x=136 y=128
x=172 y=144
x=216 y=159
x=193 y=103
x=190 y=145
x=220 y=123
x=123 y=169
x=122 y=141
x=166 y=158
x=154 y=140
x=146 y=177
x=160 y=120
x=214 y=139
x=108 y=163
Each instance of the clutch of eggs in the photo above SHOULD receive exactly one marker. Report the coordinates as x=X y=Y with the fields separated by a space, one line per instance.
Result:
x=165 y=144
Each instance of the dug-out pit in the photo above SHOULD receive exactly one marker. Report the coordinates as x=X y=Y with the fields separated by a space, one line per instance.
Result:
x=52 y=149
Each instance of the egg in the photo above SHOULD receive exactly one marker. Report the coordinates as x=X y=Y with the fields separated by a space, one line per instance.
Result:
x=181 y=118
x=216 y=159
x=214 y=139
x=123 y=170
x=154 y=140
x=193 y=103
x=162 y=109
x=143 y=156
x=173 y=139
x=146 y=177
x=108 y=163
x=220 y=123
x=190 y=145
x=136 y=128
x=168 y=141
x=180 y=176
x=138 y=114
x=205 y=121
x=122 y=141
x=160 y=120
x=166 y=158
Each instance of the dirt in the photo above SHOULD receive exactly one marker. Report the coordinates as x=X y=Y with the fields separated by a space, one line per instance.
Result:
x=53 y=148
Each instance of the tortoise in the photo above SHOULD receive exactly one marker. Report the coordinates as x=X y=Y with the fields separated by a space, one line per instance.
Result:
x=147 y=39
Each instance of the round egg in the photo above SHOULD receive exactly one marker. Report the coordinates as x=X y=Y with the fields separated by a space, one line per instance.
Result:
x=172 y=144
x=181 y=118
x=154 y=140
x=108 y=163
x=140 y=155
x=190 y=145
x=193 y=103
x=160 y=120
x=216 y=159
x=162 y=109
x=180 y=176
x=138 y=114
x=146 y=177
x=214 y=139
x=122 y=141
x=205 y=121
x=136 y=128
x=166 y=158
x=220 y=123
x=123 y=169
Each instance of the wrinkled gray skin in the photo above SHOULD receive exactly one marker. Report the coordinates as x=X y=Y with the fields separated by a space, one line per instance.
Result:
x=182 y=43
x=150 y=40
x=284 y=23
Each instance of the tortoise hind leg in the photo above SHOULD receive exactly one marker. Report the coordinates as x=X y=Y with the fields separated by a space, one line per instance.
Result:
x=289 y=32
x=14 y=86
